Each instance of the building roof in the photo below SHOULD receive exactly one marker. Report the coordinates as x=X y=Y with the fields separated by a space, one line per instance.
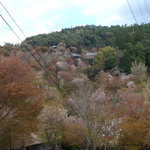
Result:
x=75 y=55
x=90 y=54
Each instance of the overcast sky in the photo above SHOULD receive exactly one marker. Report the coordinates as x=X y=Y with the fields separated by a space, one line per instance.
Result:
x=45 y=16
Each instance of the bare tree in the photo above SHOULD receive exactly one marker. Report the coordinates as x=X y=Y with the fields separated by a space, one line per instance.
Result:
x=53 y=119
x=91 y=110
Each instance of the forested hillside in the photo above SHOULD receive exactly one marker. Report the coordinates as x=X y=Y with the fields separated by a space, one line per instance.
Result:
x=132 y=42
x=94 y=36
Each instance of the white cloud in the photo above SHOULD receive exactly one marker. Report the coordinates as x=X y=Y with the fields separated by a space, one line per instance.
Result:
x=114 y=19
x=43 y=7
x=44 y=16
x=105 y=12
x=30 y=15
x=85 y=2
x=9 y=37
x=34 y=29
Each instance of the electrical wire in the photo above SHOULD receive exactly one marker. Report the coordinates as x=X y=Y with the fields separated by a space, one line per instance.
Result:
x=147 y=7
x=139 y=29
x=12 y=18
x=141 y=11
x=52 y=72
x=132 y=12
x=26 y=47
x=26 y=37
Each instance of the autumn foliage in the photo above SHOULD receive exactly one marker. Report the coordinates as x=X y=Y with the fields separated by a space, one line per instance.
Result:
x=19 y=107
x=135 y=121
x=74 y=135
x=64 y=109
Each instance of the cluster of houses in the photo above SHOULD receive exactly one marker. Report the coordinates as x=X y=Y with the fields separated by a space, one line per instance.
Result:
x=86 y=57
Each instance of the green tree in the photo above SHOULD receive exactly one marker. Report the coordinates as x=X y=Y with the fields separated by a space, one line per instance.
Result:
x=110 y=57
x=132 y=53
x=98 y=61
x=106 y=57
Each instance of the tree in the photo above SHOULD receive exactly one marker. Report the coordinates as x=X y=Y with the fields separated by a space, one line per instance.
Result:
x=132 y=53
x=74 y=135
x=110 y=57
x=19 y=107
x=134 y=121
x=147 y=56
x=42 y=49
x=98 y=61
x=127 y=59
x=106 y=57
x=91 y=110
x=139 y=70
x=4 y=52
x=53 y=120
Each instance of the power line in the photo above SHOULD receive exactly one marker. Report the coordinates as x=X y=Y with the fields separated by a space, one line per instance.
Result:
x=139 y=29
x=25 y=46
x=132 y=12
x=25 y=37
x=12 y=18
x=53 y=73
x=141 y=11
x=147 y=7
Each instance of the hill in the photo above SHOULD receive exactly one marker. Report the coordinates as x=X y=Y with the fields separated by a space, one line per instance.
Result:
x=93 y=36
x=133 y=41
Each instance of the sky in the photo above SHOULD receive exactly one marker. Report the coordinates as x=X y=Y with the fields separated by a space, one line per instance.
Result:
x=46 y=16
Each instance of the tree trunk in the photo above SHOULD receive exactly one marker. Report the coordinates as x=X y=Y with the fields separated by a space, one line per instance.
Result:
x=23 y=148
x=23 y=145
x=91 y=147
x=105 y=148
x=56 y=147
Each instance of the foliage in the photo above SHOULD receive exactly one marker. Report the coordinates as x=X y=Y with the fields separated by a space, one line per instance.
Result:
x=106 y=59
x=53 y=118
x=139 y=71
x=98 y=61
x=42 y=49
x=90 y=36
x=132 y=53
x=134 y=122
x=4 y=52
x=74 y=135
x=112 y=111
x=125 y=39
x=109 y=57
x=18 y=107
x=91 y=111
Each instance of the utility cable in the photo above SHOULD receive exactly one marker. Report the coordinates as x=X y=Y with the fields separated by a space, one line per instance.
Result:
x=25 y=46
x=12 y=18
x=26 y=37
x=147 y=7
x=139 y=29
x=132 y=12
x=141 y=11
